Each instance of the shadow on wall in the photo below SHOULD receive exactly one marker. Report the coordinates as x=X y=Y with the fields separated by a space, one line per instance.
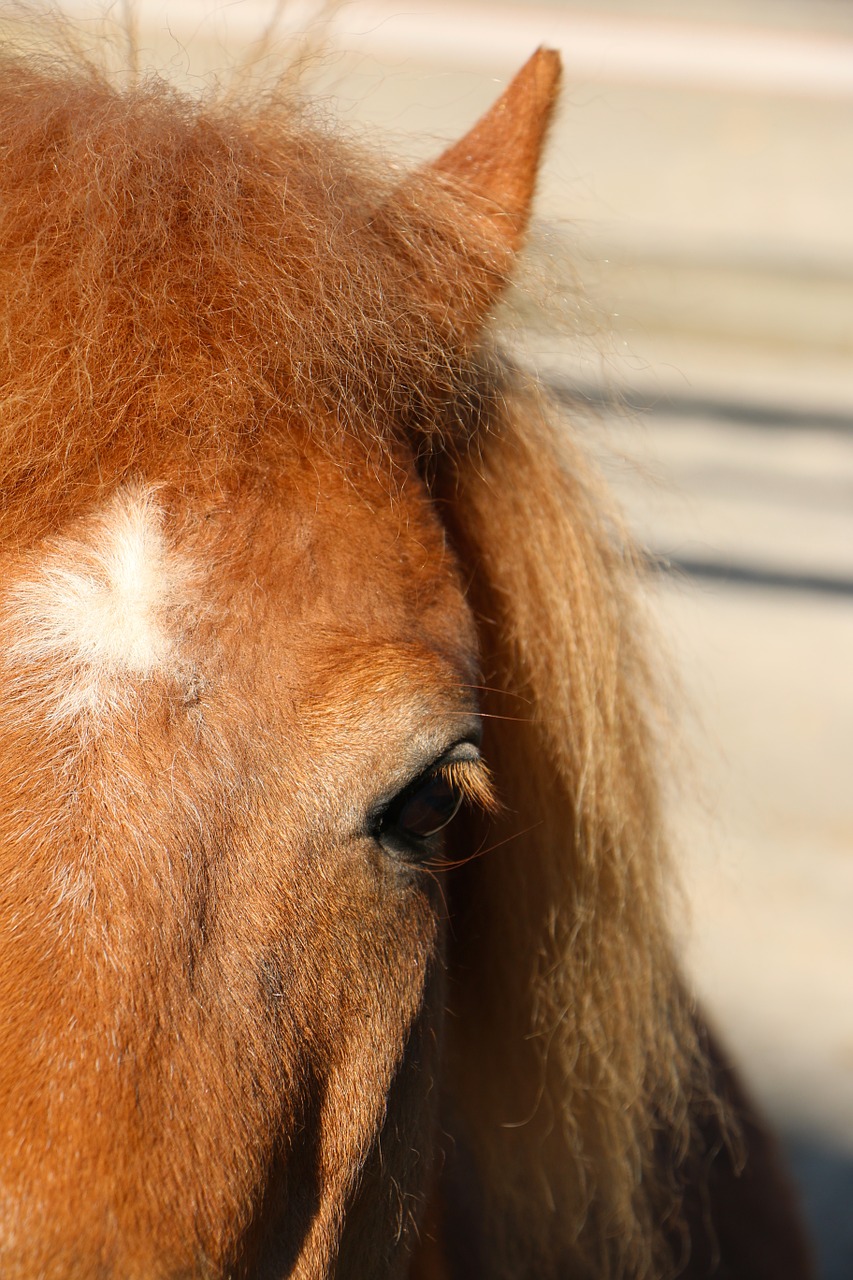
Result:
x=825 y=1180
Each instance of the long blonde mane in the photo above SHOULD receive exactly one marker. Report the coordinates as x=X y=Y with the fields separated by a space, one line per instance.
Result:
x=574 y=1035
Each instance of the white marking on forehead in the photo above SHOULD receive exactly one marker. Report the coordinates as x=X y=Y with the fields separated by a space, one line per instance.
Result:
x=98 y=608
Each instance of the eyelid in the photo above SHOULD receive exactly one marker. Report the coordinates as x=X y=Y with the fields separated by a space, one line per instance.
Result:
x=459 y=760
x=474 y=780
x=462 y=765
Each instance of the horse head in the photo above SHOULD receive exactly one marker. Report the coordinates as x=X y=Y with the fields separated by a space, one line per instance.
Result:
x=332 y=935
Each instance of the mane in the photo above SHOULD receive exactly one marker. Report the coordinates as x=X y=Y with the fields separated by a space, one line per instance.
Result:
x=183 y=280
x=184 y=283
x=574 y=1032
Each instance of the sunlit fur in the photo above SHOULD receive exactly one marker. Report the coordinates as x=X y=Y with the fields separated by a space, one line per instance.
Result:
x=253 y=450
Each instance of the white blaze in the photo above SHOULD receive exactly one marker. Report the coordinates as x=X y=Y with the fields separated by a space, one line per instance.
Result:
x=97 y=611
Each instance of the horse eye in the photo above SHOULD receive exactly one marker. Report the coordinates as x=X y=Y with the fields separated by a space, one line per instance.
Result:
x=422 y=810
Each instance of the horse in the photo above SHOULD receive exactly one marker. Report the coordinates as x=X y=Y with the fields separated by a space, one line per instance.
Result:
x=335 y=932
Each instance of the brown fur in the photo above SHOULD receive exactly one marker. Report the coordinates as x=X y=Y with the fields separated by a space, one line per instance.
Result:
x=226 y=1045
x=173 y=274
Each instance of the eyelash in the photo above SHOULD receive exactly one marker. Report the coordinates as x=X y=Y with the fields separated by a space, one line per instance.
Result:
x=405 y=823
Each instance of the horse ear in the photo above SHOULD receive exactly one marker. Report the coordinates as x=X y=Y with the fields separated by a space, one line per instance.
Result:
x=492 y=170
x=455 y=226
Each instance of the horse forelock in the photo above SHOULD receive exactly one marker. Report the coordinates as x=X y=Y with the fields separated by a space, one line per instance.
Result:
x=181 y=281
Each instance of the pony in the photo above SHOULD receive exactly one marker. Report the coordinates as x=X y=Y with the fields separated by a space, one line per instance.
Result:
x=335 y=882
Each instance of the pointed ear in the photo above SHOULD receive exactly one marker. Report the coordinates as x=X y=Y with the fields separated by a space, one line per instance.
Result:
x=492 y=170
x=455 y=226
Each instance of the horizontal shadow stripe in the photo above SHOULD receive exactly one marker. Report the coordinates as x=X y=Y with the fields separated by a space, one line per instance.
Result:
x=772 y=417
x=747 y=575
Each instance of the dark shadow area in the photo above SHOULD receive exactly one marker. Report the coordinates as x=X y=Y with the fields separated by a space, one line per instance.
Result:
x=274 y=1240
x=748 y=575
x=825 y=1180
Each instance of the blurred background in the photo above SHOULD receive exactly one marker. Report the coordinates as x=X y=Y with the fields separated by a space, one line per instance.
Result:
x=691 y=291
